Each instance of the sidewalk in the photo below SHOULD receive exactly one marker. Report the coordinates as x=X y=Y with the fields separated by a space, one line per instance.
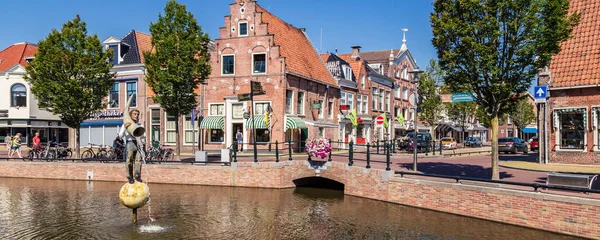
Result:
x=552 y=167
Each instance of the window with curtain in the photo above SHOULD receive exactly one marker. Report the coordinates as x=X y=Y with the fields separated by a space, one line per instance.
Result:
x=300 y=103
x=171 y=135
x=351 y=101
x=289 y=95
x=572 y=130
x=259 y=64
x=190 y=132
x=228 y=62
x=113 y=97
x=217 y=110
x=132 y=90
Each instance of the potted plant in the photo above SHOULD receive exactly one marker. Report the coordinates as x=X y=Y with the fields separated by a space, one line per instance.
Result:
x=318 y=147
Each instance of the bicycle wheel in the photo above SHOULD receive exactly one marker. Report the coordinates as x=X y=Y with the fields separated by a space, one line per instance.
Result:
x=110 y=156
x=168 y=155
x=87 y=154
x=101 y=154
x=29 y=156
x=51 y=155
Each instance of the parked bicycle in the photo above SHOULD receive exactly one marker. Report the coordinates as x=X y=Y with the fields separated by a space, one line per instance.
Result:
x=101 y=153
x=159 y=153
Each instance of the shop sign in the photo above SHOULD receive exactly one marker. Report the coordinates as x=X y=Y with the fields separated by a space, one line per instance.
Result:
x=106 y=115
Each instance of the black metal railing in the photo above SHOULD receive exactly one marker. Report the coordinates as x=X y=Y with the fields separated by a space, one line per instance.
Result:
x=535 y=186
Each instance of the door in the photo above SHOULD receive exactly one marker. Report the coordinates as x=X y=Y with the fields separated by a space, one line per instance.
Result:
x=303 y=137
x=234 y=128
x=155 y=135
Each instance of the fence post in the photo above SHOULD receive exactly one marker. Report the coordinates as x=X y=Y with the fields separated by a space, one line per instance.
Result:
x=427 y=147
x=377 y=142
x=329 y=158
x=440 y=147
x=235 y=148
x=269 y=146
x=290 y=149
x=433 y=148
x=276 y=151
x=394 y=145
x=387 y=157
x=350 y=154
x=368 y=156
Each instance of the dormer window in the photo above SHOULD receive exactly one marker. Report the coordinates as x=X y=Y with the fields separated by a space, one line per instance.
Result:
x=115 y=48
x=28 y=59
x=348 y=73
x=243 y=29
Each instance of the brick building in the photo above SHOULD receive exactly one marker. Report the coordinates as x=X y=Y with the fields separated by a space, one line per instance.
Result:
x=573 y=78
x=19 y=111
x=128 y=65
x=397 y=65
x=301 y=95
x=509 y=129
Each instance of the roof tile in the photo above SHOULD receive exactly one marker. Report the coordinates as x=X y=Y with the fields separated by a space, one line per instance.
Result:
x=578 y=63
x=300 y=56
x=144 y=43
x=15 y=54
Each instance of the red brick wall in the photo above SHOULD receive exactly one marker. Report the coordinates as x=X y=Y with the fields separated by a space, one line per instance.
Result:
x=582 y=97
x=563 y=214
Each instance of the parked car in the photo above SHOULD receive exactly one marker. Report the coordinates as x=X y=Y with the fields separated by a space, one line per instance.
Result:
x=449 y=143
x=512 y=144
x=422 y=139
x=473 y=142
x=534 y=144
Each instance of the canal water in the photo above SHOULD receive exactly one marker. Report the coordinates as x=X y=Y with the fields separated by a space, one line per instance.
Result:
x=57 y=209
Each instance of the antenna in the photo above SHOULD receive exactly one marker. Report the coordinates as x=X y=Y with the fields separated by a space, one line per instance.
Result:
x=404 y=37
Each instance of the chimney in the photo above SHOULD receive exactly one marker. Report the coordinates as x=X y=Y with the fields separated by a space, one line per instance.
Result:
x=355 y=51
x=303 y=29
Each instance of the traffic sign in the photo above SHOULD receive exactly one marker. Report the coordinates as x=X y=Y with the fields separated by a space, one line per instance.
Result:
x=243 y=97
x=379 y=120
x=540 y=93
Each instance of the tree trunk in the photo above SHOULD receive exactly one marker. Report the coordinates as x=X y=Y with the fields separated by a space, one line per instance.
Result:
x=77 y=132
x=177 y=140
x=495 y=170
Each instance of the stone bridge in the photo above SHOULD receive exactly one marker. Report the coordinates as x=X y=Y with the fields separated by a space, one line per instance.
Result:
x=556 y=213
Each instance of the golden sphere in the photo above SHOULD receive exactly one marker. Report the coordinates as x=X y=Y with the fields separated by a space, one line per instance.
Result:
x=134 y=195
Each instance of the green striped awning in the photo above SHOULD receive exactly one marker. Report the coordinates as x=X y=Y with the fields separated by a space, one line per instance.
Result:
x=213 y=122
x=259 y=122
x=294 y=123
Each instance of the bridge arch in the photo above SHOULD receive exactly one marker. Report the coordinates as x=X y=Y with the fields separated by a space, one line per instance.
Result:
x=319 y=182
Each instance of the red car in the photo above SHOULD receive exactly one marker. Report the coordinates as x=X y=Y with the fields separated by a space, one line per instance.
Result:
x=534 y=144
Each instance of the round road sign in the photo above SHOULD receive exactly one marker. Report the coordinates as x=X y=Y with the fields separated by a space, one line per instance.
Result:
x=379 y=120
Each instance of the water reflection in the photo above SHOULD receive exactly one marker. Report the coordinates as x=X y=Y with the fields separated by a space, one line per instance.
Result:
x=53 y=209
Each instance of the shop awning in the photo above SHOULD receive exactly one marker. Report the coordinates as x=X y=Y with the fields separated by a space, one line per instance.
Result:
x=259 y=122
x=294 y=123
x=213 y=122
x=530 y=130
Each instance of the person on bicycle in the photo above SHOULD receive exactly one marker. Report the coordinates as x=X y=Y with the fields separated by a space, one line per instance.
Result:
x=131 y=145
x=36 y=141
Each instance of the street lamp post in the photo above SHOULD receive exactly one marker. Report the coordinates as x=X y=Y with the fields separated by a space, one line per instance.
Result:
x=416 y=75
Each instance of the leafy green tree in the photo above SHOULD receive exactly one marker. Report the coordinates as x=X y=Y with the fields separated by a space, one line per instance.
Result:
x=431 y=106
x=179 y=62
x=496 y=47
x=485 y=120
x=523 y=114
x=70 y=75
x=462 y=113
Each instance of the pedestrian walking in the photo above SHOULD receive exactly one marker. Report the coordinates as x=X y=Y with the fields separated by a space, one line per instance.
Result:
x=16 y=146
x=240 y=139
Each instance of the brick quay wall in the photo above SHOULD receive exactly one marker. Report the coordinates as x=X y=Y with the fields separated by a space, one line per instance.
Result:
x=556 y=213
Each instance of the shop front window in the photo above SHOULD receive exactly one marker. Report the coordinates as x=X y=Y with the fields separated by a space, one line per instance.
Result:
x=572 y=130
x=262 y=135
x=216 y=135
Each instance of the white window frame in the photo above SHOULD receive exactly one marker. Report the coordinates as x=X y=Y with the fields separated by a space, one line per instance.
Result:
x=167 y=130
x=260 y=102
x=302 y=102
x=594 y=111
x=350 y=100
x=388 y=101
x=240 y=28
x=322 y=110
x=291 y=101
x=330 y=107
x=252 y=68
x=348 y=73
x=365 y=104
x=404 y=93
x=217 y=103
x=557 y=129
x=362 y=82
x=359 y=103
x=187 y=127
x=343 y=98
x=135 y=94
x=381 y=106
x=405 y=73
x=374 y=92
x=223 y=62
x=118 y=95
x=397 y=91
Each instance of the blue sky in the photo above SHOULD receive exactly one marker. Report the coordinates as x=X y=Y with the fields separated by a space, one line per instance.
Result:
x=374 y=25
